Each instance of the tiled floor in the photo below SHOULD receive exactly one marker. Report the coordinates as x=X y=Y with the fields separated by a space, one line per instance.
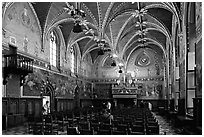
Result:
x=165 y=128
x=20 y=130
x=23 y=130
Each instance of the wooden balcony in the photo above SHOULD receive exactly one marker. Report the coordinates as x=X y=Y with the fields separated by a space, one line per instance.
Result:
x=18 y=64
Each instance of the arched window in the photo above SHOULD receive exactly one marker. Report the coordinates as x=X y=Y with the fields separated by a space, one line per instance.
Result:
x=53 y=49
x=72 y=59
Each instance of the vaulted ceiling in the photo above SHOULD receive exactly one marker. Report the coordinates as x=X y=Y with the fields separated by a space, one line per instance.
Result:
x=116 y=22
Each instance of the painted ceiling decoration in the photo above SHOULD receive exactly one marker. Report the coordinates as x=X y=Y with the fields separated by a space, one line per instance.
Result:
x=143 y=59
x=117 y=27
x=108 y=62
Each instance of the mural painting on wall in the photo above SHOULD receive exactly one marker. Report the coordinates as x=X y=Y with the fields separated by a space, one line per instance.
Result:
x=198 y=13
x=102 y=91
x=25 y=44
x=12 y=14
x=36 y=49
x=87 y=92
x=63 y=86
x=62 y=89
x=35 y=83
x=26 y=20
x=33 y=28
x=149 y=91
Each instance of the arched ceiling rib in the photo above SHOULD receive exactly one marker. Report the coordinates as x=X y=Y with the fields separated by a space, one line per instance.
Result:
x=42 y=9
x=113 y=20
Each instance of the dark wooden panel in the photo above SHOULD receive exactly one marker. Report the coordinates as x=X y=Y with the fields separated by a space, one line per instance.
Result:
x=37 y=108
x=22 y=107
x=19 y=118
x=171 y=105
x=67 y=106
x=64 y=105
x=13 y=107
x=197 y=111
x=11 y=121
x=30 y=107
x=58 y=106
x=61 y=106
x=181 y=107
x=15 y=110
x=86 y=102
x=4 y=107
x=71 y=105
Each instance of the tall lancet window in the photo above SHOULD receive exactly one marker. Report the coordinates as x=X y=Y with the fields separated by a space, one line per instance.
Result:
x=53 y=49
x=72 y=59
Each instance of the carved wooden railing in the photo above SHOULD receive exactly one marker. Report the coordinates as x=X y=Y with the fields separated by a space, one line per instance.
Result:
x=18 y=63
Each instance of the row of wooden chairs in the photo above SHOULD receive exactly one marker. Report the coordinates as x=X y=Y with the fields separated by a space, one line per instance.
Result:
x=76 y=131
x=137 y=122
x=46 y=124
x=141 y=120
x=126 y=121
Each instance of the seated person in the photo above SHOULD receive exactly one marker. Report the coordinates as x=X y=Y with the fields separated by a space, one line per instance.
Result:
x=142 y=104
x=105 y=115
x=108 y=106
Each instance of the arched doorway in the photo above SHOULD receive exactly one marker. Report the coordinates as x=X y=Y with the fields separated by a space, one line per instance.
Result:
x=48 y=95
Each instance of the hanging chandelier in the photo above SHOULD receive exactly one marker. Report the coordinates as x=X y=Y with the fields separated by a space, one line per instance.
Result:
x=78 y=16
x=120 y=71
x=77 y=27
x=114 y=56
x=120 y=65
x=101 y=44
x=113 y=64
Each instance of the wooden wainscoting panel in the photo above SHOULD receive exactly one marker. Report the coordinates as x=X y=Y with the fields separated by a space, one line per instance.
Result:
x=4 y=107
x=37 y=108
x=22 y=107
